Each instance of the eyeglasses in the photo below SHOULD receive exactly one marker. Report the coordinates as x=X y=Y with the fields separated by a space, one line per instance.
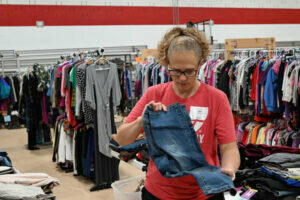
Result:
x=187 y=73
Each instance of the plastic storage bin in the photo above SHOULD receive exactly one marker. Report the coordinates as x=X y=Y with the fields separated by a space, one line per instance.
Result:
x=122 y=189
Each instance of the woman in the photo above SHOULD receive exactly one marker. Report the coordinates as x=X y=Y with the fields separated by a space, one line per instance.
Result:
x=183 y=50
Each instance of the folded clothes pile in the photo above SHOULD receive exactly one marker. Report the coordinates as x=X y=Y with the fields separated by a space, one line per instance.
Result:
x=269 y=186
x=6 y=170
x=33 y=179
x=251 y=153
x=272 y=172
x=20 y=186
x=21 y=192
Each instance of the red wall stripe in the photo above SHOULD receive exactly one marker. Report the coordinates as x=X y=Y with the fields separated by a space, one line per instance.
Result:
x=52 y=15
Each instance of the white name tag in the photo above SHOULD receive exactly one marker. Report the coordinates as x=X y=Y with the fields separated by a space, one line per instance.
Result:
x=198 y=113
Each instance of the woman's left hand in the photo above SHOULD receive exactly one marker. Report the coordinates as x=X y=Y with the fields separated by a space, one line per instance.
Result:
x=228 y=172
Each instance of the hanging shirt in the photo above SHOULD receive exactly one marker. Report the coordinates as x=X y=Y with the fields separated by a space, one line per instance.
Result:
x=5 y=89
x=13 y=90
x=100 y=80
x=73 y=84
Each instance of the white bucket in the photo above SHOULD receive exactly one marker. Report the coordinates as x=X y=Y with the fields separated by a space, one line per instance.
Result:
x=122 y=189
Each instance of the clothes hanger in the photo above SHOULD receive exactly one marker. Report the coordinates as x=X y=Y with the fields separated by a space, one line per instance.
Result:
x=89 y=60
x=102 y=60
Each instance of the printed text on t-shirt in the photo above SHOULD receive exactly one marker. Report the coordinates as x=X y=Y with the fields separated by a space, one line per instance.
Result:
x=198 y=115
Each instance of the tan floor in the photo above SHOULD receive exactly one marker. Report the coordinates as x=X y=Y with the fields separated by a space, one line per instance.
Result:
x=71 y=188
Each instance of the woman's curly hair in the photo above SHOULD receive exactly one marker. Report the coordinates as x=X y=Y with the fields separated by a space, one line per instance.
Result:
x=183 y=39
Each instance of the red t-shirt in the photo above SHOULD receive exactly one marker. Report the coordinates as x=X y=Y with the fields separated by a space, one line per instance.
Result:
x=212 y=119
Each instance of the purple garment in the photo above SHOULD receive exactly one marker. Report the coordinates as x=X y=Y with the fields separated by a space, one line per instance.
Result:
x=138 y=88
x=296 y=140
x=3 y=104
x=258 y=88
x=287 y=110
x=45 y=114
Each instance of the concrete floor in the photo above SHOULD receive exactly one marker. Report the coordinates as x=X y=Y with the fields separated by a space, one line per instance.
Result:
x=71 y=188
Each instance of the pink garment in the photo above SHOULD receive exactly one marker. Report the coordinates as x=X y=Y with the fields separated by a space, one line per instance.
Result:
x=62 y=102
x=212 y=74
x=293 y=82
x=206 y=69
x=276 y=66
x=266 y=132
x=60 y=117
x=59 y=70
x=69 y=111
x=33 y=179
x=63 y=89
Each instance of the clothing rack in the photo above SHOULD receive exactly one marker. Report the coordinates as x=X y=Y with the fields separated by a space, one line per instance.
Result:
x=1 y=56
x=13 y=60
x=217 y=54
x=84 y=123
x=255 y=108
x=148 y=52
x=278 y=51
x=232 y=44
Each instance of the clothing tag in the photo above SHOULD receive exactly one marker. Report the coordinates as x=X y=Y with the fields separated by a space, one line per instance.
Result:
x=249 y=193
x=198 y=113
x=7 y=118
x=138 y=59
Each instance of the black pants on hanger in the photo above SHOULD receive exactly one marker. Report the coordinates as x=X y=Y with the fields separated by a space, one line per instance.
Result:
x=32 y=137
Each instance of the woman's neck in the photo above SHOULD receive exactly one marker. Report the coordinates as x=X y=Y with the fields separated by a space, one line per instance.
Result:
x=186 y=93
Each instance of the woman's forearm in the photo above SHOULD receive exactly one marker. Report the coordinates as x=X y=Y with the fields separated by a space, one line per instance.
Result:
x=230 y=158
x=128 y=132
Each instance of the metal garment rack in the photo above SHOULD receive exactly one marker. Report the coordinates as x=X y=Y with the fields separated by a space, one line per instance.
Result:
x=1 y=56
x=14 y=61
x=280 y=50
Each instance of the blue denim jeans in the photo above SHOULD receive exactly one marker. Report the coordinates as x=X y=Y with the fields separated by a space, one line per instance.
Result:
x=4 y=160
x=175 y=150
x=134 y=146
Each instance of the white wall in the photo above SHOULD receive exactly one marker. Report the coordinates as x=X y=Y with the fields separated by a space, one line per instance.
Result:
x=23 y=38
x=281 y=32
x=54 y=37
